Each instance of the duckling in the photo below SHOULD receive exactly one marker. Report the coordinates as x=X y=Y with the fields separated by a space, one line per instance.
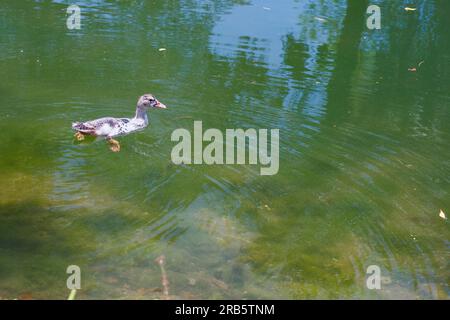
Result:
x=109 y=127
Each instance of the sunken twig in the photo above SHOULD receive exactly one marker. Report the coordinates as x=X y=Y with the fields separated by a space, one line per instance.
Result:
x=164 y=280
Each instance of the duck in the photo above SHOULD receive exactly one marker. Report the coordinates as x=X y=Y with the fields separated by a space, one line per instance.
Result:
x=108 y=127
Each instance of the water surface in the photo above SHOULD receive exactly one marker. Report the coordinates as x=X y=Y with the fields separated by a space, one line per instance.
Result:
x=364 y=149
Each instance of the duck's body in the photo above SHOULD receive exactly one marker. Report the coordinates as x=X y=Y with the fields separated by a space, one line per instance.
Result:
x=109 y=127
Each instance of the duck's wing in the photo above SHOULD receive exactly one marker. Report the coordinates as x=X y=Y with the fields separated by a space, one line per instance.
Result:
x=101 y=127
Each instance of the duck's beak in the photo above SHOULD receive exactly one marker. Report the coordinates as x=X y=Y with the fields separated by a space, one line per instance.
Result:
x=160 y=105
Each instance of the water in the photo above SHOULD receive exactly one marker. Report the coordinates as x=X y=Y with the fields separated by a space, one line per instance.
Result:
x=364 y=150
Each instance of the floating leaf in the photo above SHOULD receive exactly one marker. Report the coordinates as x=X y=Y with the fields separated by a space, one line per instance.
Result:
x=412 y=69
x=442 y=215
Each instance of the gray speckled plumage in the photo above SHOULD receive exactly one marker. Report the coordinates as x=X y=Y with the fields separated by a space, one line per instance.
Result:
x=110 y=127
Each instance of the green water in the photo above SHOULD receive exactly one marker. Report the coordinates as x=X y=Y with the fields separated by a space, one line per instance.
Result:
x=364 y=149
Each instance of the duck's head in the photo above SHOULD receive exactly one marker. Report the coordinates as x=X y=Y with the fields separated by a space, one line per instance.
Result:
x=149 y=101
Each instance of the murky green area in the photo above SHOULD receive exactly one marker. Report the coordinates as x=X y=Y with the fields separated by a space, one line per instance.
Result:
x=364 y=149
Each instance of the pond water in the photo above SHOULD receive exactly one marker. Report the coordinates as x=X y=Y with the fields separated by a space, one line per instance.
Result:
x=364 y=149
